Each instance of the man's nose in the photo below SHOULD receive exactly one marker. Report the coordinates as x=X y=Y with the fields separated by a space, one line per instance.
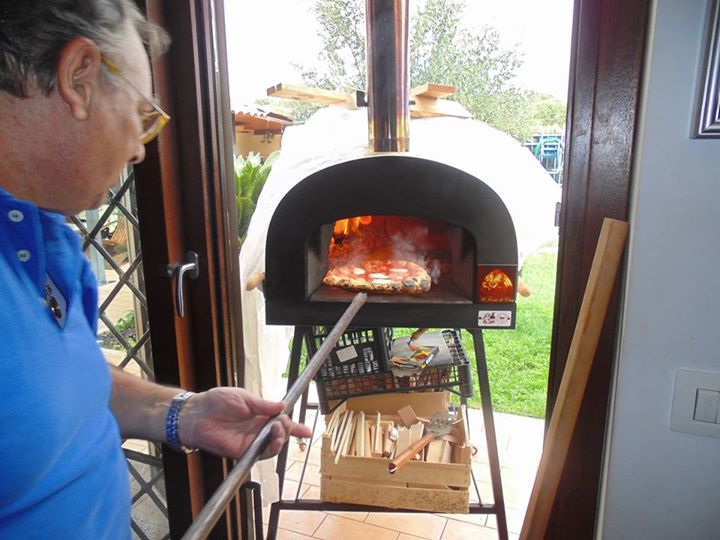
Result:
x=139 y=154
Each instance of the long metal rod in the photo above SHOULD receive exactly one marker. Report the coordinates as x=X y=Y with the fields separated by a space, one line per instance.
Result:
x=214 y=508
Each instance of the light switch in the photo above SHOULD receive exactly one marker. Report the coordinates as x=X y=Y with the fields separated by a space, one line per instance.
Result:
x=706 y=405
x=696 y=400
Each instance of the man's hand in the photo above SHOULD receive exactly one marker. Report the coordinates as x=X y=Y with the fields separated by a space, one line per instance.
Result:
x=226 y=420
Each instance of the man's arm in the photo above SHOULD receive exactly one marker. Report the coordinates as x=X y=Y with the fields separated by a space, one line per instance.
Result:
x=139 y=406
x=222 y=420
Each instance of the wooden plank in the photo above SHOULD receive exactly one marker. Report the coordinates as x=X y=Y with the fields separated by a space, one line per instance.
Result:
x=314 y=95
x=375 y=469
x=425 y=100
x=388 y=496
x=428 y=107
x=603 y=271
x=432 y=90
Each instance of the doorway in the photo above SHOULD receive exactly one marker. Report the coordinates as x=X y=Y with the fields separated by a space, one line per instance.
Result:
x=519 y=359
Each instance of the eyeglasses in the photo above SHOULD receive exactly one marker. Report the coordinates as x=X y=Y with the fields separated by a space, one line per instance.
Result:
x=153 y=121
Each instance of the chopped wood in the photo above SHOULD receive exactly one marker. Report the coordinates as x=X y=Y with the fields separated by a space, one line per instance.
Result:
x=362 y=434
x=337 y=438
x=315 y=95
x=347 y=434
x=425 y=98
x=377 y=441
x=428 y=107
x=433 y=90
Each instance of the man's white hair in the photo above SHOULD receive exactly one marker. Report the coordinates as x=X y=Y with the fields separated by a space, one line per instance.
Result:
x=34 y=32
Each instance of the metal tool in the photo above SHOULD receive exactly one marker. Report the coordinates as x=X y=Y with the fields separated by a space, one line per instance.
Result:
x=440 y=424
x=214 y=508
x=415 y=336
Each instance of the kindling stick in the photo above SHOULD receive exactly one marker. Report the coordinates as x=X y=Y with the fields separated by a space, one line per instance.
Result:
x=604 y=269
x=212 y=511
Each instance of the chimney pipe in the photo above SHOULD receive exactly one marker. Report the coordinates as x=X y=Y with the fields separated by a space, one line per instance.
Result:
x=387 y=75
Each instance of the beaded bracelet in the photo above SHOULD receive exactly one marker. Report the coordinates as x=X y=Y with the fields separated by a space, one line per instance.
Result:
x=172 y=422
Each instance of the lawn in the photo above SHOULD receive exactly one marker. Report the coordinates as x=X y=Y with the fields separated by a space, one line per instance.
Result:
x=518 y=359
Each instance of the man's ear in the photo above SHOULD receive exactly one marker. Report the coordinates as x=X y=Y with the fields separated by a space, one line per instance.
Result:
x=79 y=69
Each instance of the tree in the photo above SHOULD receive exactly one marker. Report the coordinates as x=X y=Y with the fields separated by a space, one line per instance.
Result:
x=548 y=113
x=443 y=51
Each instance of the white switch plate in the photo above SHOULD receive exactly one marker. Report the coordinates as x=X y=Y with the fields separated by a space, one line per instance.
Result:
x=687 y=384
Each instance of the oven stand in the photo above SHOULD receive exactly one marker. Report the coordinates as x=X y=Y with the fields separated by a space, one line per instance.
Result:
x=497 y=508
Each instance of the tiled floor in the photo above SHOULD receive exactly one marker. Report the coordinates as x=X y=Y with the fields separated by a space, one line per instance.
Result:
x=519 y=446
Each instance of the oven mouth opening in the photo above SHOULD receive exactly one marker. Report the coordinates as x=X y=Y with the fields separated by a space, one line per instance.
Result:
x=395 y=258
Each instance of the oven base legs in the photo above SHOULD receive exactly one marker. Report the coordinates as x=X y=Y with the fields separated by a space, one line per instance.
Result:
x=497 y=508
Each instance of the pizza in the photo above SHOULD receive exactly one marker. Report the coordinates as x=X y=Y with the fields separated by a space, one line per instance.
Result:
x=390 y=277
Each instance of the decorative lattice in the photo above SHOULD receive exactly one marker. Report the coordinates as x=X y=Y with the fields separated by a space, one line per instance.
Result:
x=111 y=241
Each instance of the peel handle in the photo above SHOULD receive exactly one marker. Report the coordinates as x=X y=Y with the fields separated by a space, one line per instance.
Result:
x=400 y=461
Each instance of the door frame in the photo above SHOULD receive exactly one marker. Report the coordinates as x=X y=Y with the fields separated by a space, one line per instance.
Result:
x=193 y=161
x=607 y=60
x=186 y=202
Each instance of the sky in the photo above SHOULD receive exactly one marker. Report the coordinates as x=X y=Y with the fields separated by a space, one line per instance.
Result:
x=266 y=37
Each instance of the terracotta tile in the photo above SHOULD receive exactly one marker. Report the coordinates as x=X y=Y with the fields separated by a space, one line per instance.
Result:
x=296 y=454
x=514 y=519
x=284 y=534
x=474 y=519
x=515 y=498
x=313 y=492
x=458 y=530
x=482 y=472
x=423 y=525
x=304 y=522
x=486 y=492
x=335 y=527
x=289 y=490
x=404 y=536
x=312 y=473
x=355 y=516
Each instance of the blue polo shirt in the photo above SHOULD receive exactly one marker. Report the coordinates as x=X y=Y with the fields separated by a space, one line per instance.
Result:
x=62 y=471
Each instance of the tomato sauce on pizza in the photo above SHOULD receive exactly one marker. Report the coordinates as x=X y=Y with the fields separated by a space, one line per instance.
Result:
x=389 y=277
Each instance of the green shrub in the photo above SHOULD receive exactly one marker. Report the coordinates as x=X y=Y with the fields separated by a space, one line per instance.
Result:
x=250 y=176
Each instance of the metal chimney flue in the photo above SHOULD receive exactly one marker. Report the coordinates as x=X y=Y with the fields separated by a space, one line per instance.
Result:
x=388 y=75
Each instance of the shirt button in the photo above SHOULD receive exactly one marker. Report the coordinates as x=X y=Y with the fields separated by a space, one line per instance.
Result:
x=16 y=216
x=23 y=255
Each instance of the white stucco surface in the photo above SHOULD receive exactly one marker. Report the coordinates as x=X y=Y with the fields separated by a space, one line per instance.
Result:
x=661 y=484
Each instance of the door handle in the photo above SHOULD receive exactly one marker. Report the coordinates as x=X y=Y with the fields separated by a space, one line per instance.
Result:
x=190 y=268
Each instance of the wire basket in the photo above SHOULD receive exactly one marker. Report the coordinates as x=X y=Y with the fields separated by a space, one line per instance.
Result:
x=352 y=381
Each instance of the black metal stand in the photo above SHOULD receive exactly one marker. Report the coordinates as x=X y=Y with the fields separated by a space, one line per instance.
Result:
x=497 y=508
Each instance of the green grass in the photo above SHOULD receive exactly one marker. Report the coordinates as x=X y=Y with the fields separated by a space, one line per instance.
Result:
x=518 y=359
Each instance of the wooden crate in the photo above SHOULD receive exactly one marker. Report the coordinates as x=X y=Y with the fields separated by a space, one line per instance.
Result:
x=434 y=487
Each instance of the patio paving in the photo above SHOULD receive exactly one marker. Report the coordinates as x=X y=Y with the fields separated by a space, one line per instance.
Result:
x=519 y=446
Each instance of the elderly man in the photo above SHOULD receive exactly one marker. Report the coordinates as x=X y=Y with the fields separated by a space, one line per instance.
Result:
x=74 y=81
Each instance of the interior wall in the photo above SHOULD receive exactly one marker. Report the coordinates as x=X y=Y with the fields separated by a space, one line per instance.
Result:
x=658 y=483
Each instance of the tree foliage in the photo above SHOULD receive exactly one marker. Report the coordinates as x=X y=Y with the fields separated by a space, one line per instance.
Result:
x=442 y=51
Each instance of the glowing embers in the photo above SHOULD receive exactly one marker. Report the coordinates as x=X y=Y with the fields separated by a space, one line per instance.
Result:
x=387 y=254
x=496 y=284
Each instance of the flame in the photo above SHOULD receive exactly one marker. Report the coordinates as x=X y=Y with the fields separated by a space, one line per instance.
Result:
x=349 y=226
x=380 y=237
x=497 y=287
x=497 y=279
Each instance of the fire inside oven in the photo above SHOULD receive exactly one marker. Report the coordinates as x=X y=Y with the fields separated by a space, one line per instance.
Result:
x=430 y=244
x=424 y=258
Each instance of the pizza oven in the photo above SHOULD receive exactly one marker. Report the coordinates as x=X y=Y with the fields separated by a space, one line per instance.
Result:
x=390 y=206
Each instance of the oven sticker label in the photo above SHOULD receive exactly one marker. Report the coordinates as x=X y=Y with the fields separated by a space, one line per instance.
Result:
x=347 y=354
x=500 y=319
